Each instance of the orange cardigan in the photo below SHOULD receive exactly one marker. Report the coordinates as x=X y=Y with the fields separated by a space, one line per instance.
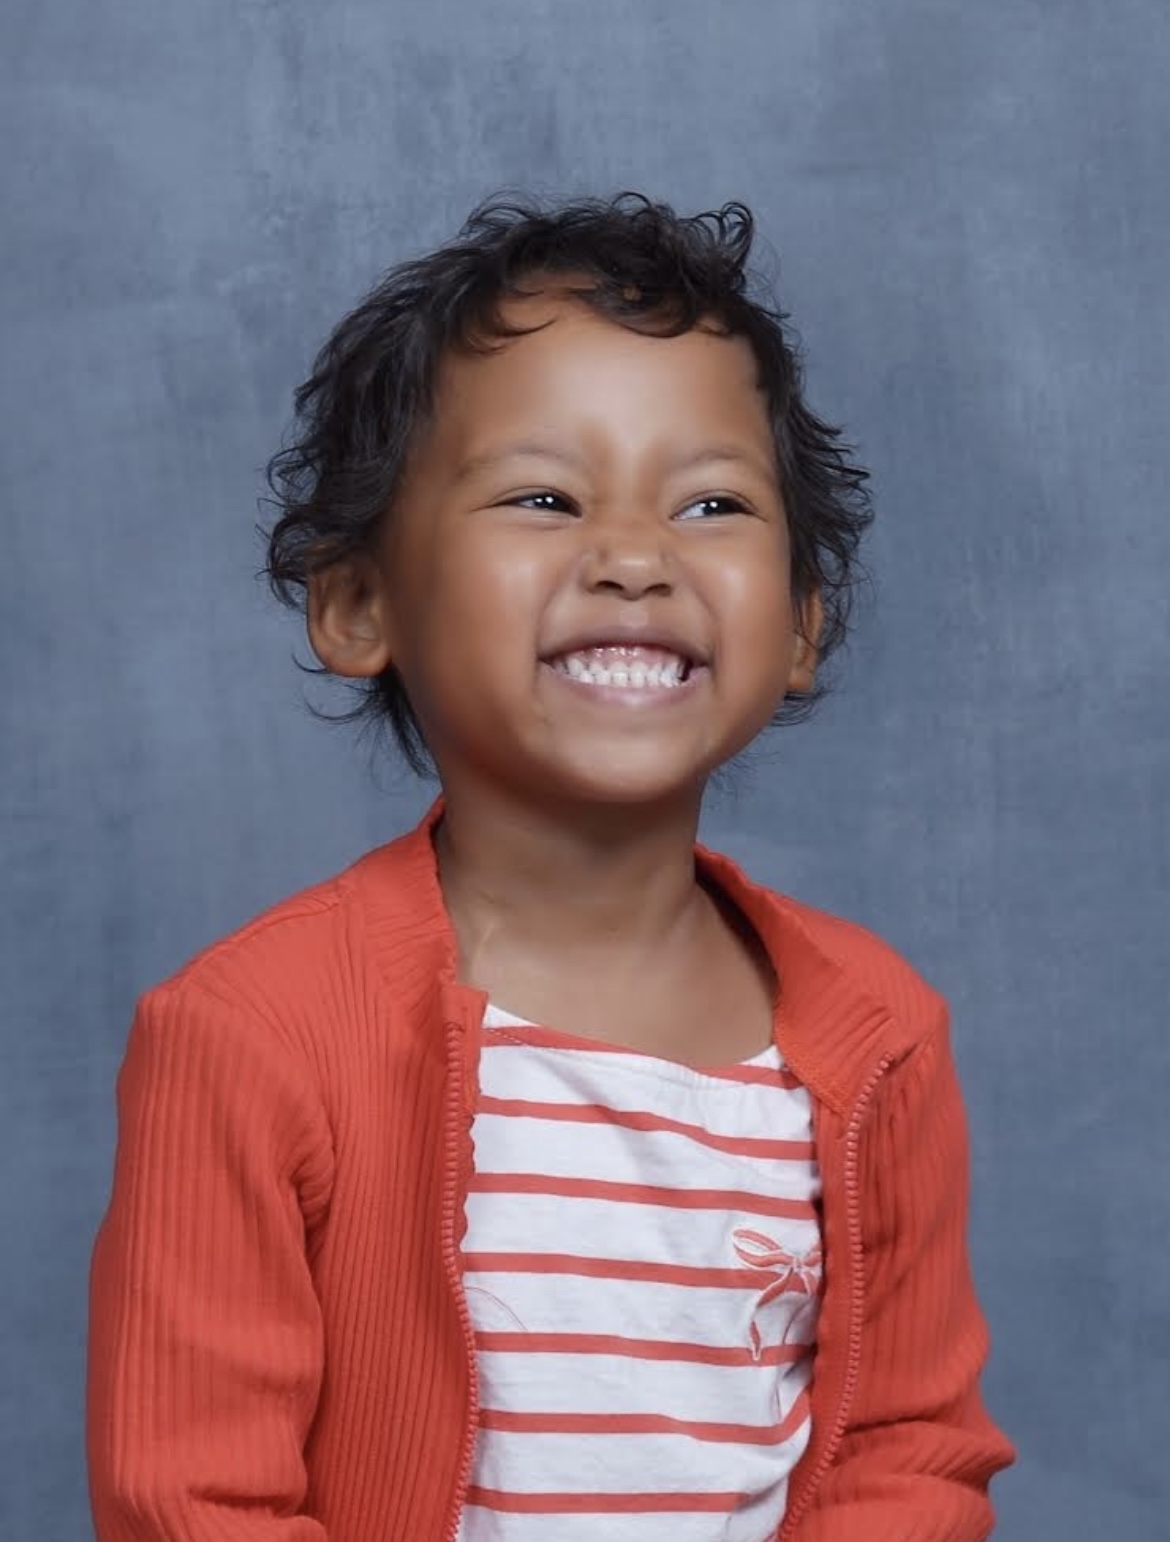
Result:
x=280 y=1349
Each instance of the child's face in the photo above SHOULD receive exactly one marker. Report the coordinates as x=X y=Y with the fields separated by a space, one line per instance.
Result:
x=591 y=514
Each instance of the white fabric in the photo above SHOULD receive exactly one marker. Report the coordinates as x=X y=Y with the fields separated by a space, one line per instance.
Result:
x=642 y=1266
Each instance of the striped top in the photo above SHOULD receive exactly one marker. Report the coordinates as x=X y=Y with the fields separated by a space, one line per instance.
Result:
x=642 y=1265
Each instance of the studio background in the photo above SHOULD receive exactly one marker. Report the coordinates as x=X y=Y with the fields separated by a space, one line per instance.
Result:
x=971 y=208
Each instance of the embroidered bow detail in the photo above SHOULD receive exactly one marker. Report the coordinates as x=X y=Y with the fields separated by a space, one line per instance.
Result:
x=799 y=1272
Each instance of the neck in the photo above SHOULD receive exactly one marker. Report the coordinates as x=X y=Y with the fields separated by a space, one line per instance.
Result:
x=585 y=877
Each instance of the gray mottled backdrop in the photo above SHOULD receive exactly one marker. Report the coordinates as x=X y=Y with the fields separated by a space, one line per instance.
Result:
x=971 y=205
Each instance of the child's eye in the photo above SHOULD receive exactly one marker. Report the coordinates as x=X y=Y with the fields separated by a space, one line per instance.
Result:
x=712 y=506
x=545 y=501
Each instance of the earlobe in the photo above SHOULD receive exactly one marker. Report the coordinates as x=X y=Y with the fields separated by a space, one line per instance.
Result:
x=810 y=616
x=348 y=622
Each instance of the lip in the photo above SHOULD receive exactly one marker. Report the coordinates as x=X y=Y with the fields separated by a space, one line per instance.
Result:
x=627 y=636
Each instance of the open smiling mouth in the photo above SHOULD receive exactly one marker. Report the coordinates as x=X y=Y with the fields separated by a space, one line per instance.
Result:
x=633 y=668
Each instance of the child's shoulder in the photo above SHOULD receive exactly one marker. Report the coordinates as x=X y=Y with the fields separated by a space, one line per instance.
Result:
x=867 y=981
x=854 y=946
x=315 y=948
x=274 y=981
x=811 y=944
x=870 y=957
x=292 y=933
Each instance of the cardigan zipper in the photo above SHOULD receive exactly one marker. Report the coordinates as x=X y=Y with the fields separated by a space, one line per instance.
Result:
x=856 y=1295
x=453 y=1115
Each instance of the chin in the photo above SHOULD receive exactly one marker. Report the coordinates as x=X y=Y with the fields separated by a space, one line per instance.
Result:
x=609 y=784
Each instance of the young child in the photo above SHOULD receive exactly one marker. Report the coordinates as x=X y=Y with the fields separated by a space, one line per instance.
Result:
x=541 y=1176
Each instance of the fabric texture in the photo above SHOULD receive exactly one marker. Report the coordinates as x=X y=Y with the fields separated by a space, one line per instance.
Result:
x=280 y=1345
x=641 y=1262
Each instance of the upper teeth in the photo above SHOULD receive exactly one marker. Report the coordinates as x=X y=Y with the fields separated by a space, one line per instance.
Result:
x=633 y=669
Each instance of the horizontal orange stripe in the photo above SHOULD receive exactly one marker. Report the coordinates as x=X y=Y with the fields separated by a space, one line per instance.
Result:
x=636 y=1349
x=631 y=1119
x=754 y=1075
x=517 y=1423
x=642 y=1194
x=552 y=1038
x=603 y=1504
x=617 y=1269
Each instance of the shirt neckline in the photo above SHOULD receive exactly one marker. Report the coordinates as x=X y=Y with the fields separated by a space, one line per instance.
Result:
x=497 y=1017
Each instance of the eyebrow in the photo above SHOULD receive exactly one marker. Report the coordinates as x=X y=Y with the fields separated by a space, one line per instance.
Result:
x=727 y=454
x=730 y=454
x=491 y=460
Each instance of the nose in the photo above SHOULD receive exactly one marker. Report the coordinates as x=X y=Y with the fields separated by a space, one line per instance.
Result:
x=632 y=558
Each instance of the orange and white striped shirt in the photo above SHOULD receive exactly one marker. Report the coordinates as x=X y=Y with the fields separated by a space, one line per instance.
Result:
x=642 y=1264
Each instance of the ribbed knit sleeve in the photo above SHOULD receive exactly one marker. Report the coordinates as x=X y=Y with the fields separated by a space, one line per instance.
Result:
x=205 y=1331
x=918 y=1451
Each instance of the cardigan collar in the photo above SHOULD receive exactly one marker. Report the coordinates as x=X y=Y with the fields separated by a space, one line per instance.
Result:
x=829 y=1028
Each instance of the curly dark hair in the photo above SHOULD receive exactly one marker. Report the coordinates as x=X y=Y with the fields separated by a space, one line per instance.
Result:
x=635 y=262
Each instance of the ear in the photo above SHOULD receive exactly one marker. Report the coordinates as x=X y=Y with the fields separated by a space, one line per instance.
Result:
x=349 y=619
x=808 y=620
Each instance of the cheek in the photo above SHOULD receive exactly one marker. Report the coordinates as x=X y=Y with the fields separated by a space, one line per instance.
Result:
x=757 y=631
x=480 y=607
x=500 y=585
x=756 y=600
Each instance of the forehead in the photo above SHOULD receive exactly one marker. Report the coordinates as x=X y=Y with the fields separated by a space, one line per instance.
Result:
x=559 y=365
